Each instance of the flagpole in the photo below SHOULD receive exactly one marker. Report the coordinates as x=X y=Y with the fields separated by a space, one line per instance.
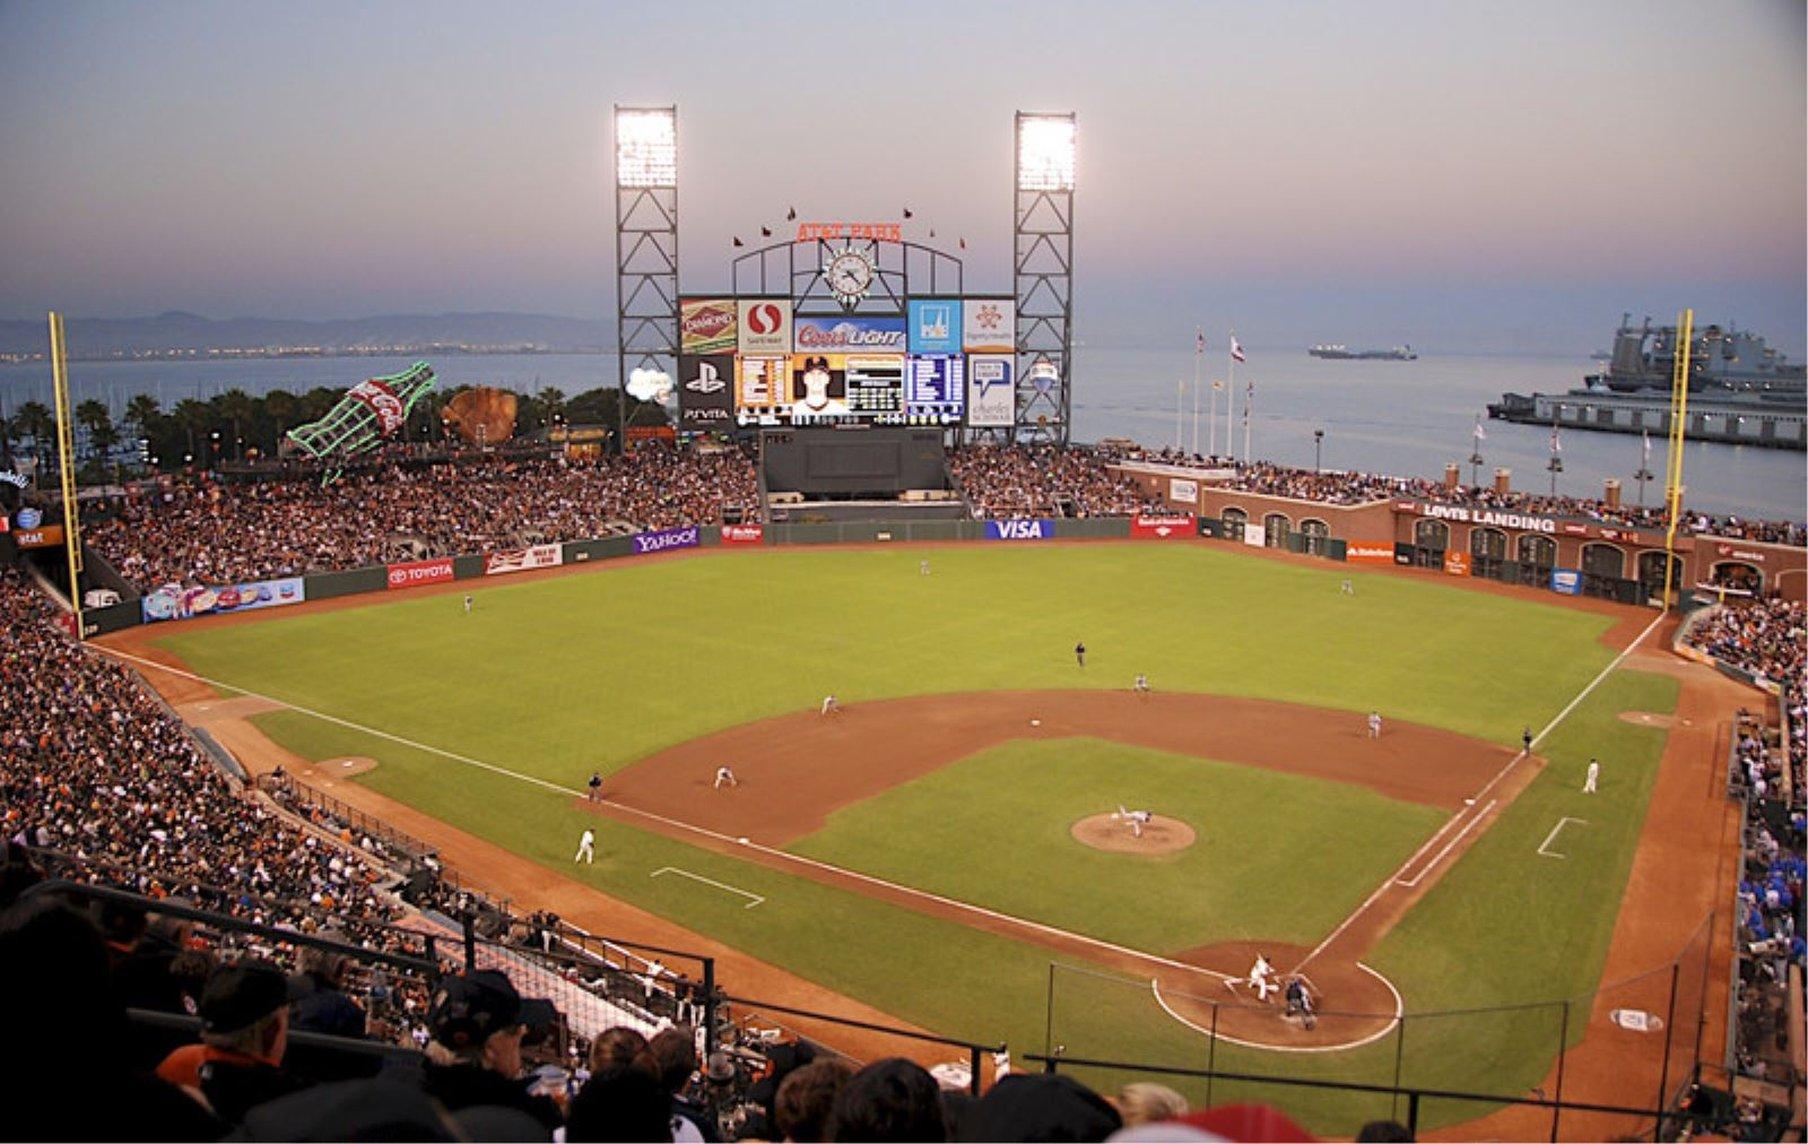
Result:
x=1212 y=421
x=1249 y=397
x=1198 y=368
x=1230 y=399
x=1179 y=391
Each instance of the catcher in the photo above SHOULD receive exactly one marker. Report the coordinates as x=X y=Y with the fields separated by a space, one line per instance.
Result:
x=1302 y=1001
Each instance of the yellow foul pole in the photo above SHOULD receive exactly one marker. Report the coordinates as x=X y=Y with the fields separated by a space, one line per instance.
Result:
x=1679 y=416
x=72 y=535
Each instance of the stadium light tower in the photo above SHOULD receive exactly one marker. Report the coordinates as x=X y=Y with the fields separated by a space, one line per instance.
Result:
x=646 y=247
x=1042 y=269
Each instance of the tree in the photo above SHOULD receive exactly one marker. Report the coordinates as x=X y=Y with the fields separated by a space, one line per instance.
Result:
x=33 y=419
x=94 y=417
x=236 y=406
x=142 y=412
x=194 y=417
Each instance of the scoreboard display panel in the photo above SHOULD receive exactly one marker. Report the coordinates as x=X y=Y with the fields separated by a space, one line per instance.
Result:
x=935 y=390
x=875 y=386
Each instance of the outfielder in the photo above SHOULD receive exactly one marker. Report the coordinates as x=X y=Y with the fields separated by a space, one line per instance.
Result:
x=1141 y=686
x=586 y=848
x=725 y=777
x=1080 y=653
x=830 y=706
x=1349 y=589
x=922 y=567
x=1594 y=774
x=468 y=602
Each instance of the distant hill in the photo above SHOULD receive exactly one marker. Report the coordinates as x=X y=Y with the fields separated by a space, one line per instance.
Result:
x=176 y=330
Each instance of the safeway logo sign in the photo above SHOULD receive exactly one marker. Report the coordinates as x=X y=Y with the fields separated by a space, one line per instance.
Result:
x=708 y=379
x=1162 y=527
x=765 y=326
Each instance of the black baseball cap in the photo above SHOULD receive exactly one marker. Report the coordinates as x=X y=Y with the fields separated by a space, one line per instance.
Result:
x=468 y=1009
x=243 y=994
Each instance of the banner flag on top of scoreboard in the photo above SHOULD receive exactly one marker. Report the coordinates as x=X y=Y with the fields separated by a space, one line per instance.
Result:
x=1236 y=349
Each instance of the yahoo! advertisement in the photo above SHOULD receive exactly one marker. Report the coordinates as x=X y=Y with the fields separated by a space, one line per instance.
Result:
x=666 y=539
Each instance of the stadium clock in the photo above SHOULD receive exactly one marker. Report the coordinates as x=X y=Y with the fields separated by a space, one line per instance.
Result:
x=849 y=275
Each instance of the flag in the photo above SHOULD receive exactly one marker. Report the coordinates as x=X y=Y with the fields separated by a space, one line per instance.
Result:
x=1199 y=346
x=1479 y=435
x=738 y=241
x=1236 y=349
x=791 y=214
x=963 y=244
x=1645 y=456
x=1556 y=445
x=908 y=214
x=765 y=232
x=932 y=232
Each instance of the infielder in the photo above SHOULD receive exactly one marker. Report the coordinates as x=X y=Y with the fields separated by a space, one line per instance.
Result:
x=725 y=777
x=586 y=848
x=1136 y=818
x=596 y=786
x=1374 y=724
x=1141 y=686
x=1594 y=773
x=830 y=706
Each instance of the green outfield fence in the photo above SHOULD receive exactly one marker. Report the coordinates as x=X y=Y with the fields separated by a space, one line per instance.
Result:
x=1436 y=1067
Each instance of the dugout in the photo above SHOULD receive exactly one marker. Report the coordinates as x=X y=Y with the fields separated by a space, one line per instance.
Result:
x=852 y=462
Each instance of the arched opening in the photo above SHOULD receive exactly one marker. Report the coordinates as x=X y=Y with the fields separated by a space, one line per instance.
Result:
x=1234 y=519
x=1603 y=569
x=1430 y=539
x=1275 y=527
x=1737 y=576
x=1488 y=553
x=1315 y=535
x=1537 y=556
x=1651 y=575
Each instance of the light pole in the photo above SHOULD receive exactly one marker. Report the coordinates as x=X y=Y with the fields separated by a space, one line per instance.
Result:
x=1318 y=450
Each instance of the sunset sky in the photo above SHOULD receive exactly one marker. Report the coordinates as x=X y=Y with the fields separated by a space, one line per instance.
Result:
x=1482 y=172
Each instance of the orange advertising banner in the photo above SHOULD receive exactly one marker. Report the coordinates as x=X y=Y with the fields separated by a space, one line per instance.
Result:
x=1456 y=563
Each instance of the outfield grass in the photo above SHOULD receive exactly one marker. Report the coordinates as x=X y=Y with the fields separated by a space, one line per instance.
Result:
x=558 y=677
x=983 y=829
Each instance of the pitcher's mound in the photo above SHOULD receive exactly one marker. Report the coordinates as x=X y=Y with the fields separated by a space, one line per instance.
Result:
x=346 y=766
x=1646 y=719
x=1161 y=835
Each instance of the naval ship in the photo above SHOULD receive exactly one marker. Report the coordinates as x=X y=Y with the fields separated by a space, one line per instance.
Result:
x=1741 y=390
x=1345 y=353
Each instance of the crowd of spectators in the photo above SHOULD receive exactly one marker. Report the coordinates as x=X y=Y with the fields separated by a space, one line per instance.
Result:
x=1001 y=481
x=1348 y=488
x=202 y=530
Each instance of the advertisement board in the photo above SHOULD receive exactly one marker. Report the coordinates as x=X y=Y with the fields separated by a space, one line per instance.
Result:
x=414 y=573
x=765 y=326
x=44 y=536
x=935 y=325
x=1182 y=490
x=705 y=391
x=847 y=334
x=666 y=539
x=1020 y=529
x=175 y=602
x=1566 y=581
x=1255 y=534
x=935 y=388
x=743 y=534
x=989 y=325
x=991 y=390
x=1359 y=552
x=523 y=559
x=1167 y=526
x=1456 y=563
x=707 y=325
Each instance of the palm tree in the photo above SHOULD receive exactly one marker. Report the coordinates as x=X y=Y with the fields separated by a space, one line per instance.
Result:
x=237 y=407
x=33 y=419
x=97 y=420
x=284 y=411
x=142 y=411
x=193 y=416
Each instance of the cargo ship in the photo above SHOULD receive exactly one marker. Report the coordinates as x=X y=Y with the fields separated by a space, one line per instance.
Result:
x=1741 y=391
x=1345 y=353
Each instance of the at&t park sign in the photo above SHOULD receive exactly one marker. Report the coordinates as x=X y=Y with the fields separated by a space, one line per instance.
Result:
x=1485 y=516
x=875 y=231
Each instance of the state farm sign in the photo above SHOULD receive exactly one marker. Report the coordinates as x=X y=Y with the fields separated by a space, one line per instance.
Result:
x=1168 y=527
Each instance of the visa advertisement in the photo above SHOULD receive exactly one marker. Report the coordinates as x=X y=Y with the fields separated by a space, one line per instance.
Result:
x=935 y=325
x=175 y=602
x=1020 y=529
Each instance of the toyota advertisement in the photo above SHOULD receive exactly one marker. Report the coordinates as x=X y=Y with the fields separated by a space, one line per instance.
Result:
x=415 y=573
x=175 y=602
x=705 y=391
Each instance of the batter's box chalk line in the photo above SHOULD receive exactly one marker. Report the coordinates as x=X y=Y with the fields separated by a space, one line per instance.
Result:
x=755 y=898
x=1544 y=847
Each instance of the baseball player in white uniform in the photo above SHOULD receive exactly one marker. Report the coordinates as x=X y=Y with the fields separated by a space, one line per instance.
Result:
x=725 y=777
x=1136 y=818
x=1141 y=686
x=830 y=706
x=1594 y=774
x=1261 y=976
x=1374 y=724
x=468 y=603
x=586 y=848
x=923 y=567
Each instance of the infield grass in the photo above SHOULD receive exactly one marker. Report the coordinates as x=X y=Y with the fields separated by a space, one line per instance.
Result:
x=559 y=677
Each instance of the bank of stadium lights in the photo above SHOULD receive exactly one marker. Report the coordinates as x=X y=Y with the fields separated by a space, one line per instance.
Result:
x=1045 y=153
x=646 y=146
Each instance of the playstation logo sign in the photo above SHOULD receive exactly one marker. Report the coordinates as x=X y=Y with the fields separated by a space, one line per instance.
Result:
x=708 y=379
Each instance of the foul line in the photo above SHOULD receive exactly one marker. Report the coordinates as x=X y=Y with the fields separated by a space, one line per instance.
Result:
x=1501 y=774
x=780 y=856
x=1543 y=847
x=709 y=881
x=1448 y=847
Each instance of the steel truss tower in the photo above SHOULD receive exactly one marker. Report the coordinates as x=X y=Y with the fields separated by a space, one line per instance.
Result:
x=1042 y=268
x=646 y=246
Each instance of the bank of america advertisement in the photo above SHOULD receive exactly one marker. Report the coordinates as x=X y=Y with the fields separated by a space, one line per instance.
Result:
x=989 y=325
x=991 y=391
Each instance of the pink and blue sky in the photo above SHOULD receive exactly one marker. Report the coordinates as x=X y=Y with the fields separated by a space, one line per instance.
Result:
x=1486 y=173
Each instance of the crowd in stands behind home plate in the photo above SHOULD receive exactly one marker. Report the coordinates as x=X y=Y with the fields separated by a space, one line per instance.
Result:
x=1042 y=481
x=1330 y=487
x=205 y=531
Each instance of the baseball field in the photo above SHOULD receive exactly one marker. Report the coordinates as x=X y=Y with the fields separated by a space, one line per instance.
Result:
x=946 y=850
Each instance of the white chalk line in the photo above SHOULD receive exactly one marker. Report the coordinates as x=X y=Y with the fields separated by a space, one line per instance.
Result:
x=1481 y=814
x=680 y=871
x=1501 y=774
x=1399 y=1012
x=782 y=856
x=1543 y=847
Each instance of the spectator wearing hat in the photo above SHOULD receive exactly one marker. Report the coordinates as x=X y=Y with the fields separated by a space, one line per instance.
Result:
x=244 y=1034
x=474 y=1058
